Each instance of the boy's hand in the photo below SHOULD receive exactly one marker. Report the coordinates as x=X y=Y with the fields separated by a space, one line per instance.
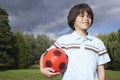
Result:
x=49 y=72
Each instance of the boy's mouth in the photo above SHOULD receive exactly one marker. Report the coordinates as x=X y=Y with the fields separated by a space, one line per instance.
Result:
x=86 y=23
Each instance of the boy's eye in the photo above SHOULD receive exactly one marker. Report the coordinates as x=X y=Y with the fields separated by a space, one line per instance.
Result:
x=89 y=16
x=81 y=15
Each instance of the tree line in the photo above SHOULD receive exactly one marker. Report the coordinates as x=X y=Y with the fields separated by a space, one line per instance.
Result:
x=18 y=50
x=112 y=43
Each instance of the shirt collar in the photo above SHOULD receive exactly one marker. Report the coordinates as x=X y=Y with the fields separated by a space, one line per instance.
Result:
x=75 y=35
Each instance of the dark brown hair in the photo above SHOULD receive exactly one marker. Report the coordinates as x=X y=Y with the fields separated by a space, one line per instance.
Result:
x=77 y=10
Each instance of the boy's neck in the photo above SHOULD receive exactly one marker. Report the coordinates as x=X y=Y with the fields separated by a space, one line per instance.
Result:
x=82 y=33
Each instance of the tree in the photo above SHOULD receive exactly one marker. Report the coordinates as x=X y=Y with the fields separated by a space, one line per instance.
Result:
x=112 y=41
x=7 y=42
x=118 y=35
x=24 y=57
x=43 y=42
x=30 y=39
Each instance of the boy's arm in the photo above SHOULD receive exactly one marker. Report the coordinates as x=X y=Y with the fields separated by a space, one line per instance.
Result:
x=101 y=72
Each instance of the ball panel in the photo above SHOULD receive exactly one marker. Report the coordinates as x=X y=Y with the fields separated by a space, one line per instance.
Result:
x=62 y=66
x=48 y=63
x=57 y=53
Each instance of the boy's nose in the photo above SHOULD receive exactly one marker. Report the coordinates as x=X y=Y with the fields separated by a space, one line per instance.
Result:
x=86 y=18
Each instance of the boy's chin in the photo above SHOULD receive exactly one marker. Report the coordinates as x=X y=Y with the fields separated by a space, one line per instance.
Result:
x=85 y=28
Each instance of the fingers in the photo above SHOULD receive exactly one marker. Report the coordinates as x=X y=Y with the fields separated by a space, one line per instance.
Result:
x=52 y=73
x=50 y=69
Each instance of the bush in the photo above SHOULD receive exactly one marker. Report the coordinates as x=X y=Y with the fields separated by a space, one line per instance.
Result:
x=34 y=67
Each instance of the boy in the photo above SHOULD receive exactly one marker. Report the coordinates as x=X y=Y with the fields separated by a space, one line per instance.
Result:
x=87 y=54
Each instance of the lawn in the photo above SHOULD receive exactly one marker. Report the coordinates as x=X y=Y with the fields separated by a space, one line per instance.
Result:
x=34 y=74
x=112 y=75
x=24 y=74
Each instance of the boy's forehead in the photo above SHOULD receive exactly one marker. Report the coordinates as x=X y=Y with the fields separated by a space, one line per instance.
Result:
x=84 y=12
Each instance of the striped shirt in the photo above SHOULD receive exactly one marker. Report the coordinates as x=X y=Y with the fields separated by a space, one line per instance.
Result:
x=84 y=55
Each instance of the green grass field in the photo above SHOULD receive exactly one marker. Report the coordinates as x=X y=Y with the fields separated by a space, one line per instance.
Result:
x=34 y=74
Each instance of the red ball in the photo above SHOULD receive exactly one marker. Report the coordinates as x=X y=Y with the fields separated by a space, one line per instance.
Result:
x=57 y=59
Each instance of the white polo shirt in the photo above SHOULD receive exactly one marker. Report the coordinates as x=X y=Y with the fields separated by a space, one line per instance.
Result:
x=84 y=55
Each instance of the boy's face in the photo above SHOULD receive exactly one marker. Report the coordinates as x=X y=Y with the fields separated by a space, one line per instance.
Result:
x=82 y=21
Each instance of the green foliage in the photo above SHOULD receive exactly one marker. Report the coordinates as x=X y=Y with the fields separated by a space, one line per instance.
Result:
x=3 y=16
x=24 y=56
x=34 y=67
x=31 y=41
x=112 y=42
x=3 y=12
x=7 y=42
x=18 y=50
x=30 y=48
x=42 y=43
x=38 y=45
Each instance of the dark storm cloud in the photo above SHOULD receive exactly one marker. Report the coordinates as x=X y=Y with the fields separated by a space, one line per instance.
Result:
x=106 y=12
x=37 y=16
x=26 y=15
x=50 y=16
x=22 y=13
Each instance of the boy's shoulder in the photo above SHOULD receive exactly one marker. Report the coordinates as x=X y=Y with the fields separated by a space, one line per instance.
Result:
x=64 y=37
x=97 y=39
x=97 y=42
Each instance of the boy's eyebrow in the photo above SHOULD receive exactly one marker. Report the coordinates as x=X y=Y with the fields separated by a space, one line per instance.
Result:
x=84 y=13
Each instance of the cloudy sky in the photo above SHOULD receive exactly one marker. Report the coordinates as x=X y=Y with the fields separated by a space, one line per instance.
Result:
x=50 y=16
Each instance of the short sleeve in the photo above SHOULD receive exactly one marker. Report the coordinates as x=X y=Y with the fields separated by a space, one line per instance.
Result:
x=103 y=59
x=103 y=54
